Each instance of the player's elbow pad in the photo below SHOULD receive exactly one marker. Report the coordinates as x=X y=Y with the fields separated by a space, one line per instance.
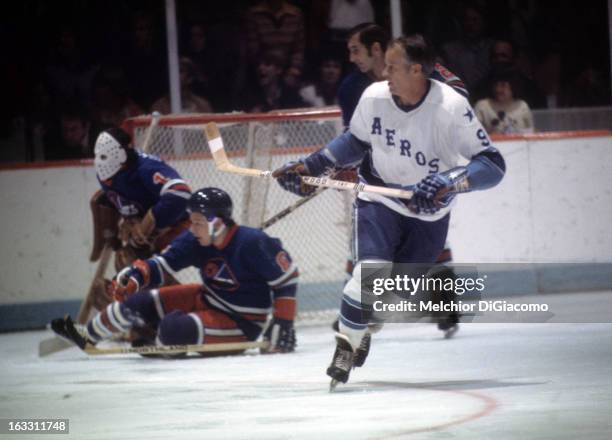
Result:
x=169 y=210
x=485 y=170
x=346 y=151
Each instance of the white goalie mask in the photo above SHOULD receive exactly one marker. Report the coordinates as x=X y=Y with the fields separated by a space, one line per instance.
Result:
x=110 y=156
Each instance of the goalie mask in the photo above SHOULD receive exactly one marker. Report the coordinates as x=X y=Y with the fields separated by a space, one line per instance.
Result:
x=212 y=203
x=111 y=152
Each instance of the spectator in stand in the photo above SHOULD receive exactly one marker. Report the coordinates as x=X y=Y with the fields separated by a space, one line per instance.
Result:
x=588 y=89
x=276 y=26
x=145 y=61
x=503 y=58
x=468 y=57
x=547 y=74
x=73 y=137
x=344 y=15
x=111 y=103
x=190 y=102
x=270 y=92
x=219 y=62
x=329 y=22
x=68 y=75
x=502 y=112
x=323 y=91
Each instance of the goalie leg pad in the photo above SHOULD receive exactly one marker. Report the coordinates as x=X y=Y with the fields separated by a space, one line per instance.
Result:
x=166 y=235
x=105 y=223
x=102 y=293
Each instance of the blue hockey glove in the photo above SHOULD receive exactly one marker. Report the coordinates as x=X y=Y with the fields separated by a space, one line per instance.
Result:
x=434 y=192
x=289 y=178
x=281 y=335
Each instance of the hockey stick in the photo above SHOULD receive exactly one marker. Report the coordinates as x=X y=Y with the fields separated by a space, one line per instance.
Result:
x=215 y=142
x=147 y=141
x=74 y=336
x=54 y=344
x=289 y=209
x=173 y=349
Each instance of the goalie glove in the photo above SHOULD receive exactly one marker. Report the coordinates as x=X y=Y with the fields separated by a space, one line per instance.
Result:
x=437 y=191
x=138 y=233
x=130 y=280
x=289 y=177
x=281 y=335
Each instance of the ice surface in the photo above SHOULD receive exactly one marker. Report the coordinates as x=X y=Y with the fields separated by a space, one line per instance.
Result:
x=501 y=381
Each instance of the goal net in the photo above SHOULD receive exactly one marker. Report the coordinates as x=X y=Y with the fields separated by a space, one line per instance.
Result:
x=315 y=234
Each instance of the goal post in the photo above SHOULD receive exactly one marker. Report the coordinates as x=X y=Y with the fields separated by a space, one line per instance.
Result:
x=316 y=234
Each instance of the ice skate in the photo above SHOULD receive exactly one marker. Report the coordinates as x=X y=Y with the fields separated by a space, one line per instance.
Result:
x=363 y=350
x=449 y=325
x=342 y=361
x=67 y=329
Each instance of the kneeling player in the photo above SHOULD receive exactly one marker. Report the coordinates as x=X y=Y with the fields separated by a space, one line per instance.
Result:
x=245 y=273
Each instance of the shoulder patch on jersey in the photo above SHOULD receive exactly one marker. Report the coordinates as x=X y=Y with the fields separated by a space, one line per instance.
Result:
x=160 y=179
x=469 y=114
x=282 y=259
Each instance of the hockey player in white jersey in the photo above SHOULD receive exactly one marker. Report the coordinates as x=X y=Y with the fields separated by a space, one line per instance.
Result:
x=416 y=129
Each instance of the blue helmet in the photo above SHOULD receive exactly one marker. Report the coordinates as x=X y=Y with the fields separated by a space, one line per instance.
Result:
x=211 y=202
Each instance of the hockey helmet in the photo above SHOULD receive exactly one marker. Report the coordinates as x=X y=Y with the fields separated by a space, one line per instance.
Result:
x=111 y=152
x=211 y=202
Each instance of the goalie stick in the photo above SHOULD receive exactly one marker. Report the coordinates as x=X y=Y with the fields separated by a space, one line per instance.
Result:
x=54 y=344
x=289 y=209
x=217 y=149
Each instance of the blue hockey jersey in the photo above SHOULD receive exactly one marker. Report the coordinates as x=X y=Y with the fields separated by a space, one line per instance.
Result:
x=243 y=275
x=149 y=184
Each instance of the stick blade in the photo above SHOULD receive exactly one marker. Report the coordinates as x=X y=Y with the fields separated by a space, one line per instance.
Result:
x=52 y=345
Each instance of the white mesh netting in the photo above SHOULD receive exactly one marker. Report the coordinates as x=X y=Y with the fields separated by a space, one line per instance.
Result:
x=316 y=234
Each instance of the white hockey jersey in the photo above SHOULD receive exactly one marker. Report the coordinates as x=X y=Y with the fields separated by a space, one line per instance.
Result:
x=408 y=145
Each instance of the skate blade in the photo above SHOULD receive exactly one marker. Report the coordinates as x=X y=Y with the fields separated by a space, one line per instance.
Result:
x=451 y=332
x=332 y=385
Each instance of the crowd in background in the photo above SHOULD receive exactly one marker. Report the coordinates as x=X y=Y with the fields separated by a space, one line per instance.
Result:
x=73 y=68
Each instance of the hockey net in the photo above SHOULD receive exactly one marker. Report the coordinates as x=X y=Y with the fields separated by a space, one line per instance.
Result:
x=315 y=234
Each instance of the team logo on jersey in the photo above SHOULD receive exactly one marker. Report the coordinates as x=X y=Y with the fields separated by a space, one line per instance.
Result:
x=391 y=140
x=159 y=179
x=218 y=275
x=125 y=207
x=282 y=259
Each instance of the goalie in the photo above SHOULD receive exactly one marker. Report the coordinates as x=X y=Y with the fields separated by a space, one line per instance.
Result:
x=139 y=209
x=245 y=275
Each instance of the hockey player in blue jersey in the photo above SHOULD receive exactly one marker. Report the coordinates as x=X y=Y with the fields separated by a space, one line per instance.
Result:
x=414 y=130
x=245 y=274
x=141 y=205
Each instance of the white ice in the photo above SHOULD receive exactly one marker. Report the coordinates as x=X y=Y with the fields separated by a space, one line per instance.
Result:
x=492 y=381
